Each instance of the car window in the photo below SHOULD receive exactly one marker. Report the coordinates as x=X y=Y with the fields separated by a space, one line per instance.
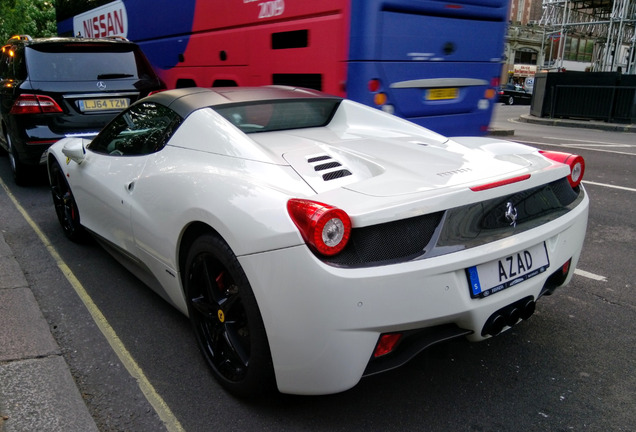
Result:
x=143 y=129
x=19 y=66
x=82 y=62
x=279 y=114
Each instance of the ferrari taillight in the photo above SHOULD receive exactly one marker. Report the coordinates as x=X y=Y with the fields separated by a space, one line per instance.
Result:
x=576 y=163
x=34 y=104
x=325 y=228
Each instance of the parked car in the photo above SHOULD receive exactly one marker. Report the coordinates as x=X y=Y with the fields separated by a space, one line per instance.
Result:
x=511 y=94
x=51 y=88
x=313 y=240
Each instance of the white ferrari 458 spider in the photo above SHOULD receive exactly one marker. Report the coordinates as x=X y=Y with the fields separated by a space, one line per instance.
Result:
x=313 y=241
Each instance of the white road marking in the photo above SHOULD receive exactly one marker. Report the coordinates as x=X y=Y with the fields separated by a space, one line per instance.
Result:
x=589 y=275
x=573 y=145
x=592 y=143
x=154 y=398
x=609 y=186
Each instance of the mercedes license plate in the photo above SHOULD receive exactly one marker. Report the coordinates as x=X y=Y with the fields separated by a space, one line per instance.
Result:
x=103 y=104
x=494 y=276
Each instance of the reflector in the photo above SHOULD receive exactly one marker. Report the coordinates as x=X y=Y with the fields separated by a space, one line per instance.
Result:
x=500 y=183
x=386 y=344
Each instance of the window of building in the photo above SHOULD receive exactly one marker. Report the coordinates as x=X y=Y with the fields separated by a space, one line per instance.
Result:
x=526 y=57
x=579 y=49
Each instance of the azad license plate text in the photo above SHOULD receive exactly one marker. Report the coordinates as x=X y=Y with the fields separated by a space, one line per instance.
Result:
x=494 y=276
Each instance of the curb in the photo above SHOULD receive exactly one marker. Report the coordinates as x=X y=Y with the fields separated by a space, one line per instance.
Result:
x=586 y=124
x=37 y=391
x=500 y=132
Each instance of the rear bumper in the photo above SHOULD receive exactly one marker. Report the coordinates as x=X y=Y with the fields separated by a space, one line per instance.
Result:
x=323 y=322
x=32 y=148
x=32 y=135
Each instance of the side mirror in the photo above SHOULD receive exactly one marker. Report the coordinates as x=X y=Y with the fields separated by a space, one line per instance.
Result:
x=75 y=151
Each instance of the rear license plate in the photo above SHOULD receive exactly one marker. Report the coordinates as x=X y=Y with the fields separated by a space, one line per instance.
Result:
x=103 y=104
x=494 y=276
x=441 y=93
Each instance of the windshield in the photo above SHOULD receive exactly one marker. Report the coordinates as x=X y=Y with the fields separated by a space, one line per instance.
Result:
x=279 y=114
x=81 y=65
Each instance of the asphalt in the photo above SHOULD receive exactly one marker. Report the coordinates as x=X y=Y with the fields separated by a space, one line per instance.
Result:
x=37 y=390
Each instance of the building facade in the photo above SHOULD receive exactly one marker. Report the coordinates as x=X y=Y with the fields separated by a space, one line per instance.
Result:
x=524 y=42
x=573 y=35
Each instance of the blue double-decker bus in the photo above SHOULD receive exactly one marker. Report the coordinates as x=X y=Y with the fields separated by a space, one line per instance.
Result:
x=434 y=62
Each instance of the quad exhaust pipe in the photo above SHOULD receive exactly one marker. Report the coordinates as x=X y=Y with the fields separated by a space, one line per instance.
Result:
x=509 y=316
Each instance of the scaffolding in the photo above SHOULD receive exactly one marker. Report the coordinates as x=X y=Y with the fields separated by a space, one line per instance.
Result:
x=610 y=23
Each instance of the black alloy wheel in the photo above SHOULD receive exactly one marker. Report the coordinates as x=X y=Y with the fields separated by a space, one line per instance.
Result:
x=226 y=319
x=65 y=205
x=511 y=100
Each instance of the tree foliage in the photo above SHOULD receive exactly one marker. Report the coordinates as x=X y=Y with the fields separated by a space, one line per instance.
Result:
x=33 y=17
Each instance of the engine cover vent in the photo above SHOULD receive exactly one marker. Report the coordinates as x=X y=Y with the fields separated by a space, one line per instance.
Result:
x=328 y=167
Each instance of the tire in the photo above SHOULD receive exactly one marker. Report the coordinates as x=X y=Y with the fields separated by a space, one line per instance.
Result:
x=21 y=172
x=65 y=205
x=511 y=100
x=226 y=320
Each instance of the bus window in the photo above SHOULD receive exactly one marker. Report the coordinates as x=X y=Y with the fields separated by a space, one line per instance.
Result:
x=312 y=81
x=224 y=83
x=184 y=83
x=290 y=39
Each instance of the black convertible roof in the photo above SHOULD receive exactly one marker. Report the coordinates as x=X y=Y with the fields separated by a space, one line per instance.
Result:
x=185 y=101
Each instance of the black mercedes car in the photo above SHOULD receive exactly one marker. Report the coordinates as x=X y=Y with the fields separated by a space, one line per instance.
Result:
x=51 y=88
x=511 y=94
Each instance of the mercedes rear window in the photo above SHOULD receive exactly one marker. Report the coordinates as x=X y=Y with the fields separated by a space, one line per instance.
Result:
x=84 y=62
x=275 y=115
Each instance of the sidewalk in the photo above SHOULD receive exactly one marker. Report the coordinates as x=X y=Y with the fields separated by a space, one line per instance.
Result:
x=585 y=124
x=581 y=124
x=37 y=391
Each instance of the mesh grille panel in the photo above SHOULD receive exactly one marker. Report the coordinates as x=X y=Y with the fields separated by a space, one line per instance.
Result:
x=336 y=174
x=327 y=165
x=388 y=242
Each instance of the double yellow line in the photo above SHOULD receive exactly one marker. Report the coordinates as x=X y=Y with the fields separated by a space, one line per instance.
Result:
x=161 y=408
